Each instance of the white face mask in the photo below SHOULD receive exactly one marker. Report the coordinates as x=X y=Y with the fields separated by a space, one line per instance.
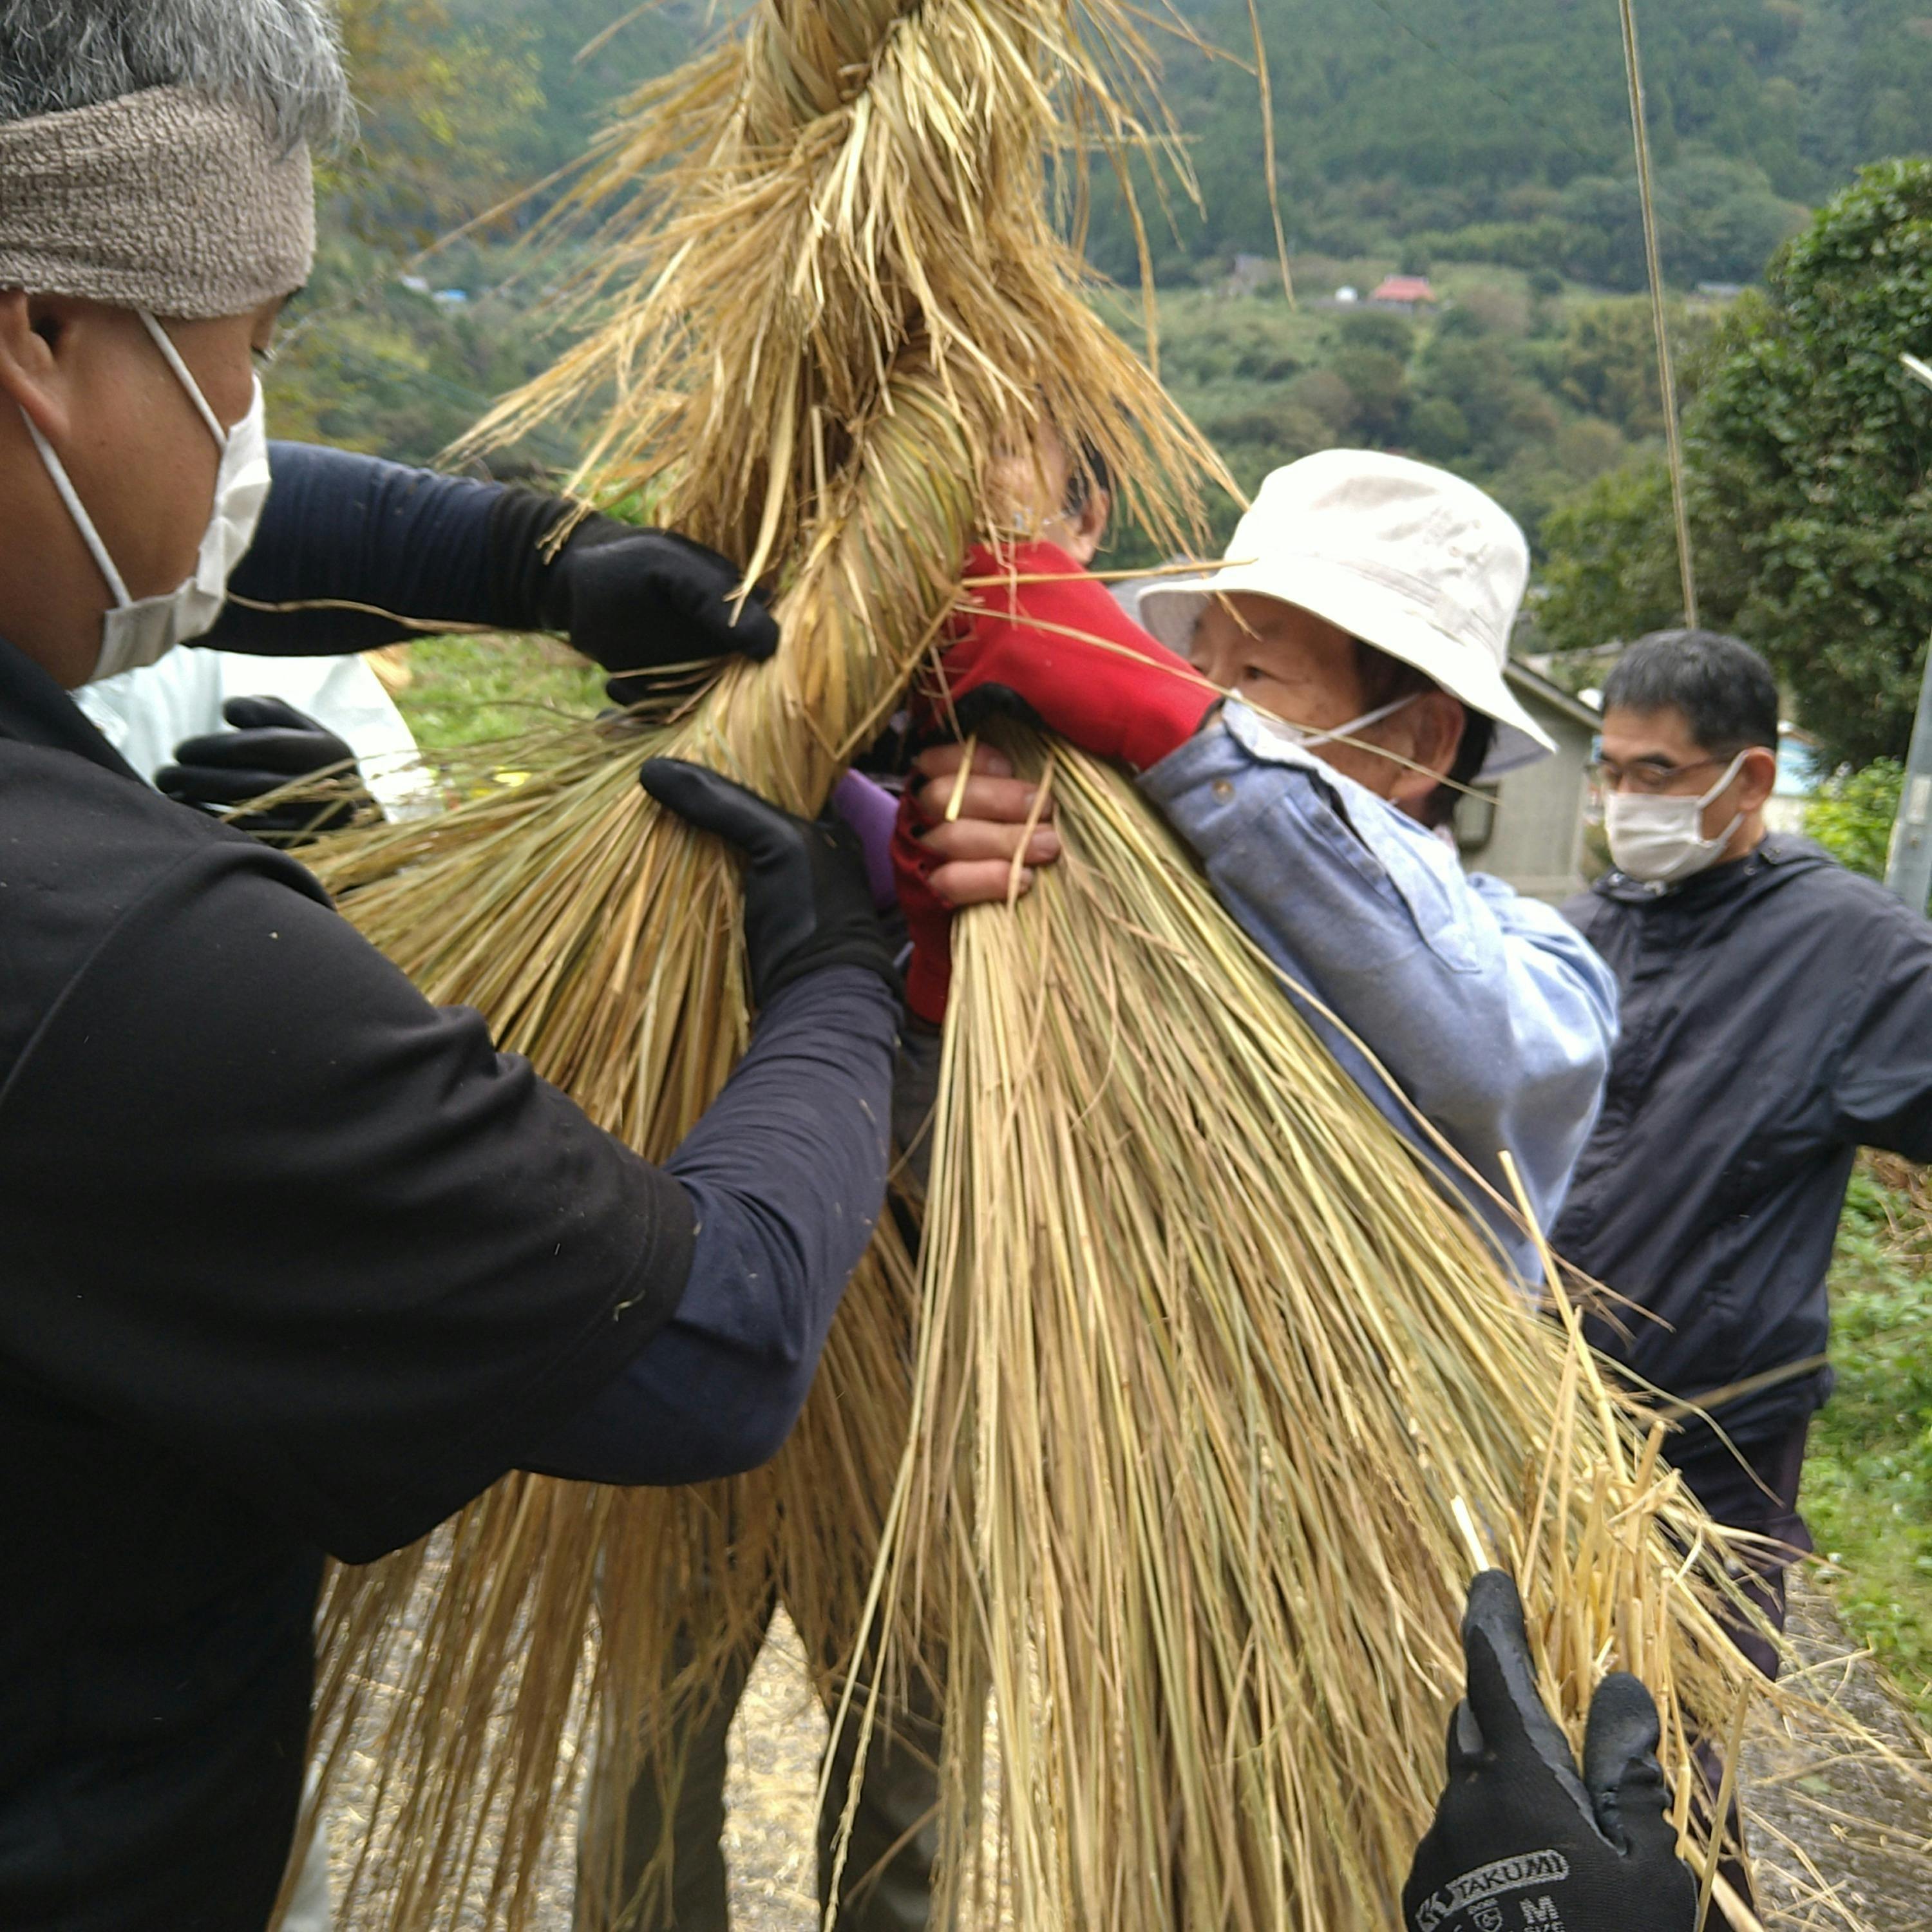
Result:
x=1308 y=738
x=1661 y=840
x=137 y=632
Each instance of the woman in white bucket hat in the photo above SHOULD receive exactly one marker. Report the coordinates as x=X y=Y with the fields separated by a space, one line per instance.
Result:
x=1383 y=555
x=1367 y=597
x=1346 y=678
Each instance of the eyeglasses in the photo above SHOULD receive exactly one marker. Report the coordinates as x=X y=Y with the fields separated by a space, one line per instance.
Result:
x=1647 y=777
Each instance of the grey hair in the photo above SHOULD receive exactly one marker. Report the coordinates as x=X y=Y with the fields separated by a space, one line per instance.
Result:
x=281 y=58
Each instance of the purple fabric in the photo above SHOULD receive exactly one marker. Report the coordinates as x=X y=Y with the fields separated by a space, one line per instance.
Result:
x=871 y=811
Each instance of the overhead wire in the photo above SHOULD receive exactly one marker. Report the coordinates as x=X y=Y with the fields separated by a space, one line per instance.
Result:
x=1665 y=375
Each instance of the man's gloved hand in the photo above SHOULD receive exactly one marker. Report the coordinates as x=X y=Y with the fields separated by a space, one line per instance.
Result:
x=1061 y=653
x=1519 y=1840
x=808 y=903
x=272 y=745
x=639 y=601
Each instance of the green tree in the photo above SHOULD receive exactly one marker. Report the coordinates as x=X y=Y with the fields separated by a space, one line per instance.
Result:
x=1608 y=364
x=441 y=107
x=451 y=110
x=1480 y=375
x=1810 y=444
x=628 y=44
x=1807 y=446
x=1378 y=328
x=1439 y=431
x=1610 y=573
x=1379 y=385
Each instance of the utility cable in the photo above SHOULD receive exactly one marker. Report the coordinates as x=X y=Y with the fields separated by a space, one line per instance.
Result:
x=1665 y=376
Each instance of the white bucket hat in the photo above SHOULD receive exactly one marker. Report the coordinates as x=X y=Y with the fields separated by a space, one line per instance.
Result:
x=1409 y=559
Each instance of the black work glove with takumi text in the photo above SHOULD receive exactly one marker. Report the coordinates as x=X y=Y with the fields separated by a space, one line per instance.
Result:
x=272 y=745
x=1521 y=1843
x=807 y=901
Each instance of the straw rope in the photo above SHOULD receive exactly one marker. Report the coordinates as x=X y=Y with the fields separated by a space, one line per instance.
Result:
x=1666 y=377
x=832 y=289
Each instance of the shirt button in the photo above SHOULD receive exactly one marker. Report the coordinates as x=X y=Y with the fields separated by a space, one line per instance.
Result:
x=1223 y=791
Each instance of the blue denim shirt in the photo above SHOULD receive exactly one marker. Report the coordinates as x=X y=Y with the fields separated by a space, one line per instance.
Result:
x=1490 y=1011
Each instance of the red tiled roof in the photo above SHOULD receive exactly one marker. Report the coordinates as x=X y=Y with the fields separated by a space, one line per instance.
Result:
x=1405 y=288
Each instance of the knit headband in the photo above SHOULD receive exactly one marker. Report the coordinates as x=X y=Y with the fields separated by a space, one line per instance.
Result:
x=166 y=200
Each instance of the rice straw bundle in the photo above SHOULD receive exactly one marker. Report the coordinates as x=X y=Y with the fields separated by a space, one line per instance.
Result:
x=834 y=290
x=1214 y=1390
x=1218 y=1405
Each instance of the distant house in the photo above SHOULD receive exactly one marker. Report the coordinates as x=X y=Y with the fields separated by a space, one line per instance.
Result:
x=1406 y=292
x=1250 y=274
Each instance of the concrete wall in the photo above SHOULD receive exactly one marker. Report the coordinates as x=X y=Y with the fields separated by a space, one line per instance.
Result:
x=1533 y=836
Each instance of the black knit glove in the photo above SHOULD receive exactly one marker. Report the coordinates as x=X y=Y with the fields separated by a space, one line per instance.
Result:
x=808 y=903
x=1519 y=1840
x=637 y=602
x=272 y=745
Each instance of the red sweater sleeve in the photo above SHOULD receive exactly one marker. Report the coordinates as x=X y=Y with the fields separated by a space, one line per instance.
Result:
x=1035 y=627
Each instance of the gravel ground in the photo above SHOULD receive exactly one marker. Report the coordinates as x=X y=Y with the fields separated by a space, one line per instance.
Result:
x=1854 y=1834
x=776 y=1745
x=1837 y=1834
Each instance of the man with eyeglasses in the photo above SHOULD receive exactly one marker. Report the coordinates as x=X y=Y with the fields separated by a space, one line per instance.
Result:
x=1777 y=1015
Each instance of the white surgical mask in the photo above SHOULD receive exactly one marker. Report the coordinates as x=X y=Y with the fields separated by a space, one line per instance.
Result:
x=1661 y=840
x=1307 y=737
x=138 y=631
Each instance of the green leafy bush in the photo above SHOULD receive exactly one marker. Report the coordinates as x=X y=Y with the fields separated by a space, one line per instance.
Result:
x=1852 y=815
x=1805 y=445
x=1868 y=1480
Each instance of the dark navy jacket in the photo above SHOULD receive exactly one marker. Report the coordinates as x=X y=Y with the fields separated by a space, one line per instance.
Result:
x=1777 y=1016
x=296 y=1262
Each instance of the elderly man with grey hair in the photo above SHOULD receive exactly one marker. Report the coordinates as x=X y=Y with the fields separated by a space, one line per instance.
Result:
x=297 y=1263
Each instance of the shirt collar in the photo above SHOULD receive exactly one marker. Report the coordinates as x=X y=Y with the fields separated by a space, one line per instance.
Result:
x=34 y=710
x=1715 y=883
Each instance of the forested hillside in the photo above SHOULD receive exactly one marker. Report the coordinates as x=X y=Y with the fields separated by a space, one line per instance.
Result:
x=1486 y=140
x=1491 y=130
x=1498 y=129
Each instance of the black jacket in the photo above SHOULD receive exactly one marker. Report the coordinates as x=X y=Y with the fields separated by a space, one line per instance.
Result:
x=1776 y=1015
x=294 y=1260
